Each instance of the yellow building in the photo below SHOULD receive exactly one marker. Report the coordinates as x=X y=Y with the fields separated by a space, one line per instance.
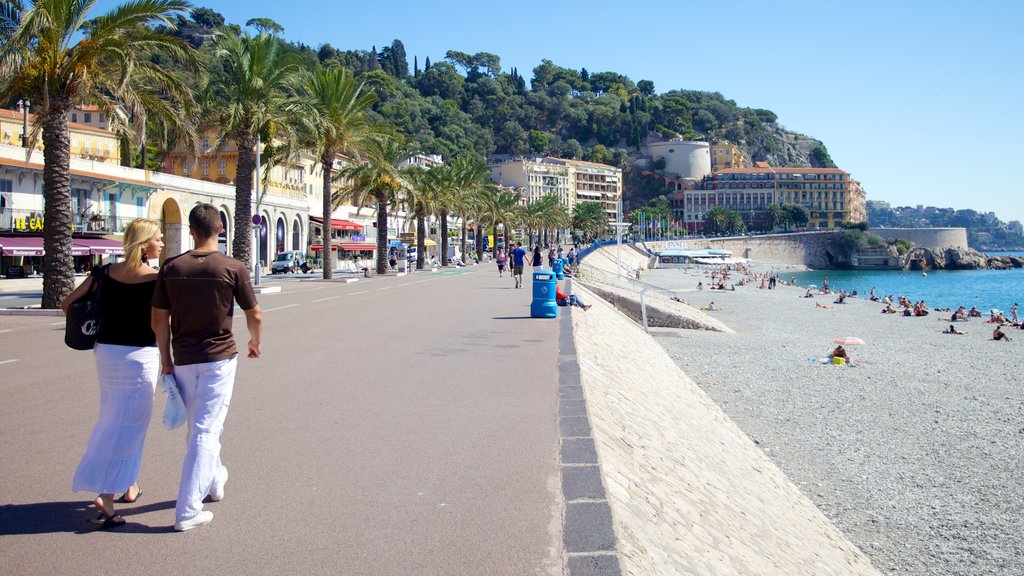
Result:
x=87 y=142
x=725 y=156
x=572 y=181
x=858 y=202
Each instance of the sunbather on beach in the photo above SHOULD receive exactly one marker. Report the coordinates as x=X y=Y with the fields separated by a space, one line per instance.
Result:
x=953 y=330
x=820 y=305
x=888 y=309
x=974 y=313
x=809 y=294
x=712 y=308
x=840 y=352
x=998 y=334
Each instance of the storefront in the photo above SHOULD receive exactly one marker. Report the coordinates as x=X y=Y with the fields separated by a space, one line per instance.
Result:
x=22 y=256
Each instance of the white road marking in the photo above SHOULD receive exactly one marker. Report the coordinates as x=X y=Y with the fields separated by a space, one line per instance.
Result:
x=58 y=323
x=403 y=284
x=385 y=288
x=360 y=292
x=2 y=331
x=330 y=298
x=419 y=281
x=8 y=361
x=281 y=307
x=315 y=289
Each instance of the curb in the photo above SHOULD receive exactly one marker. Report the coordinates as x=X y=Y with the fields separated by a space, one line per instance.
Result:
x=588 y=535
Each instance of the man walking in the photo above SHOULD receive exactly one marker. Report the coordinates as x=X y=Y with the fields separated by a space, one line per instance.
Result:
x=192 y=308
x=517 y=264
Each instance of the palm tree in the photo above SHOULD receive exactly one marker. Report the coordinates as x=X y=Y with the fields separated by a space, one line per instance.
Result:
x=716 y=219
x=500 y=208
x=774 y=215
x=377 y=177
x=247 y=96
x=589 y=218
x=463 y=176
x=421 y=198
x=53 y=54
x=333 y=106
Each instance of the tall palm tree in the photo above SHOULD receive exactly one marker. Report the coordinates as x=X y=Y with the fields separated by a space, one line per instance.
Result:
x=53 y=54
x=333 y=106
x=472 y=178
x=589 y=218
x=377 y=177
x=716 y=219
x=248 y=96
x=421 y=198
x=500 y=208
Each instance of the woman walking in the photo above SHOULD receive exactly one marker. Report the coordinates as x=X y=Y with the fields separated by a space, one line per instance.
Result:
x=127 y=364
x=500 y=259
x=537 y=260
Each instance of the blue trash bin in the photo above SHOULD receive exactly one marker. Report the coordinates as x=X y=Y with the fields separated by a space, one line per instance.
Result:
x=558 y=267
x=543 y=305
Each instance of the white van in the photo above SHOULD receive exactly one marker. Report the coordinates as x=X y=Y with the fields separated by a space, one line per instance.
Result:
x=289 y=261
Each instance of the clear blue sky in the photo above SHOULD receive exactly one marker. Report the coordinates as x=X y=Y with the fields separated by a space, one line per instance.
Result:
x=919 y=100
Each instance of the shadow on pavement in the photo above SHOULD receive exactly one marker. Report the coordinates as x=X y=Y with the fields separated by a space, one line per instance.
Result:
x=51 y=517
x=511 y=318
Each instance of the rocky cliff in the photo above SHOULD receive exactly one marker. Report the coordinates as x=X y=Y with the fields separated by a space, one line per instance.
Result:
x=778 y=147
x=958 y=259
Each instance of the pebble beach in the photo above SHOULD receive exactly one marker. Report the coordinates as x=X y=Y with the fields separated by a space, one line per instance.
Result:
x=914 y=450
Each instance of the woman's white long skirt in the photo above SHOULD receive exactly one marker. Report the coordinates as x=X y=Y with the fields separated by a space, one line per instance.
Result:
x=127 y=376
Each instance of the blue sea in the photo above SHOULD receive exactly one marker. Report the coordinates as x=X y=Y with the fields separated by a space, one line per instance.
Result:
x=985 y=289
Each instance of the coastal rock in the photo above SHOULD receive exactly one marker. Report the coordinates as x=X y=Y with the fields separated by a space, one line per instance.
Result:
x=948 y=259
x=1005 y=262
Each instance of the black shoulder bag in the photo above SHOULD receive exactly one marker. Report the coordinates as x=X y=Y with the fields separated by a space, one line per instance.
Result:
x=83 y=320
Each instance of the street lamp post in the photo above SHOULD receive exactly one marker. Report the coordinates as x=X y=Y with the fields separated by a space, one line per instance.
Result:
x=23 y=107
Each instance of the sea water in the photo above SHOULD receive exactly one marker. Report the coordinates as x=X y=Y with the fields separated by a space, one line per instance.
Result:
x=985 y=289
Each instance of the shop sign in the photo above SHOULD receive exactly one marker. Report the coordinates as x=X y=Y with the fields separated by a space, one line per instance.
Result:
x=26 y=224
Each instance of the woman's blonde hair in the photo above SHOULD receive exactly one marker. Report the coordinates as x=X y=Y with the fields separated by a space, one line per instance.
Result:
x=136 y=236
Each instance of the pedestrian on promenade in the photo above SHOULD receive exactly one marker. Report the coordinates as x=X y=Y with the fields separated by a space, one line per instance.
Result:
x=500 y=259
x=127 y=365
x=192 y=308
x=537 y=259
x=518 y=257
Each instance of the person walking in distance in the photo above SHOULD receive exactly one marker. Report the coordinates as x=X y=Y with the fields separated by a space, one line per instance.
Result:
x=518 y=256
x=192 y=308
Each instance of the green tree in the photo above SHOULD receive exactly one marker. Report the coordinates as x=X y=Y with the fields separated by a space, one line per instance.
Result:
x=333 y=107
x=774 y=216
x=54 y=55
x=589 y=219
x=797 y=214
x=207 y=18
x=377 y=177
x=265 y=26
x=246 y=98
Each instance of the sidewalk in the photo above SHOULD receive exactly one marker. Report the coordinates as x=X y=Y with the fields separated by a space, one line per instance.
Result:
x=394 y=426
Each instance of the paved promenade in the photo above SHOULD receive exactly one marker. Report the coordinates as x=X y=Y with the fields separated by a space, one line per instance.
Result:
x=394 y=426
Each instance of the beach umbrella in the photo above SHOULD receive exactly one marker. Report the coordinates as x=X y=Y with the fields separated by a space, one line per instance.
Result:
x=848 y=341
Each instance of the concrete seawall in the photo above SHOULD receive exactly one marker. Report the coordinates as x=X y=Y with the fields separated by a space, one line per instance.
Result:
x=812 y=249
x=690 y=493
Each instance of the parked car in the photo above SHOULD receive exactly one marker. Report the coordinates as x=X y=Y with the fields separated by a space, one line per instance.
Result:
x=289 y=261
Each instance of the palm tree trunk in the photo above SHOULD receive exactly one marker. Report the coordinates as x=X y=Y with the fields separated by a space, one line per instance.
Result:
x=58 y=267
x=421 y=240
x=328 y=227
x=246 y=164
x=444 y=237
x=464 y=230
x=479 y=242
x=382 y=234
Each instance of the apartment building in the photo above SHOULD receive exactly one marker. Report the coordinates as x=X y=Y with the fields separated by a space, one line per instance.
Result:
x=571 y=181
x=87 y=142
x=827 y=193
x=726 y=156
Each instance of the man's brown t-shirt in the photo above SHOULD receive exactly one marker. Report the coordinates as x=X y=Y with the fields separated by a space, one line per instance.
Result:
x=200 y=288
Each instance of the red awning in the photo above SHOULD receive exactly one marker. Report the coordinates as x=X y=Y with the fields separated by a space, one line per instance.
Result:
x=100 y=246
x=31 y=246
x=358 y=246
x=339 y=224
x=319 y=247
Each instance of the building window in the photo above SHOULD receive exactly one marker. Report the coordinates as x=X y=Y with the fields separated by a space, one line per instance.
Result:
x=74 y=117
x=101 y=116
x=205 y=166
x=206 y=141
x=222 y=167
x=88 y=117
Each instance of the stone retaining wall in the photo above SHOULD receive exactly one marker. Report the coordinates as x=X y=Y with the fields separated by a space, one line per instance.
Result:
x=690 y=493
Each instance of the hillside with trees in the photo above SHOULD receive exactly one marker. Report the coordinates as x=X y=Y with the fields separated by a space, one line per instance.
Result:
x=462 y=101
x=984 y=230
